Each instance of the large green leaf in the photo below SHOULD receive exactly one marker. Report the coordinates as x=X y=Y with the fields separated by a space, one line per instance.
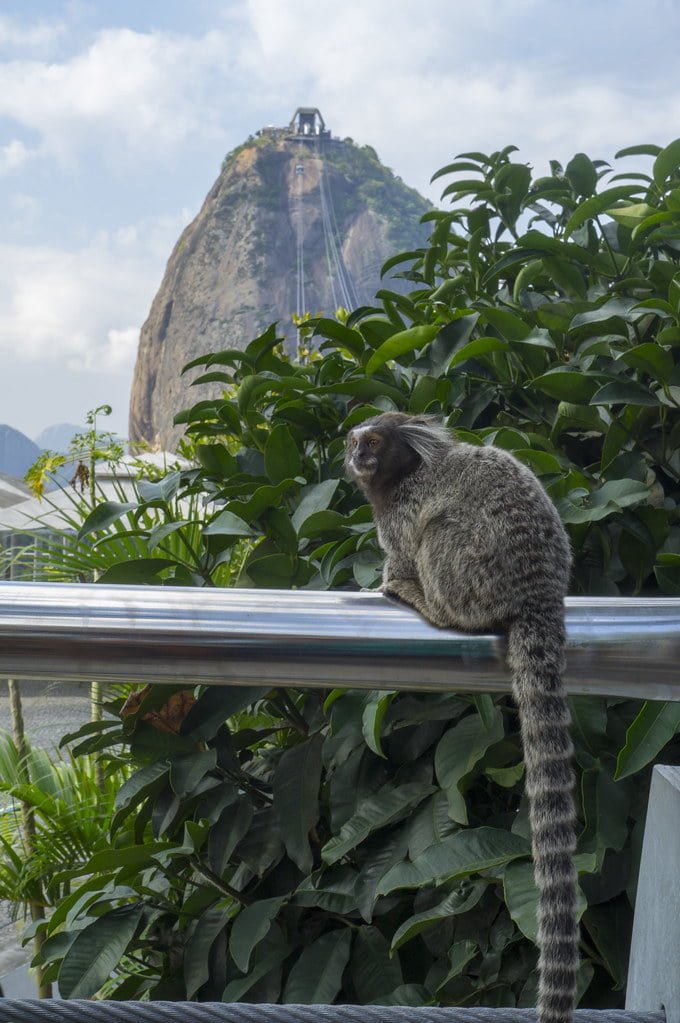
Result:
x=567 y=385
x=103 y=516
x=400 y=344
x=314 y=498
x=667 y=161
x=654 y=726
x=377 y=704
x=477 y=349
x=375 y=972
x=136 y=571
x=296 y=798
x=385 y=807
x=597 y=204
x=226 y=523
x=333 y=891
x=187 y=770
x=281 y=456
x=316 y=977
x=611 y=497
x=340 y=334
x=606 y=804
x=142 y=782
x=609 y=927
x=250 y=927
x=451 y=338
x=231 y=827
x=196 y=963
x=236 y=989
x=97 y=951
x=457 y=753
x=467 y=852
x=460 y=954
x=628 y=392
x=582 y=174
x=215 y=705
x=390 y=851
x=458 y=901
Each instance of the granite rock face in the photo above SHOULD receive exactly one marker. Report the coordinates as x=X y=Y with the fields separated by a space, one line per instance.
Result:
x=288 y=227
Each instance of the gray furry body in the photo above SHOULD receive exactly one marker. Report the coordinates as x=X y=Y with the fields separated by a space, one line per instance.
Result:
x=473 y=542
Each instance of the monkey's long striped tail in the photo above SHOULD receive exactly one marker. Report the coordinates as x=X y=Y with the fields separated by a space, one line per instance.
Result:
x=536 y=660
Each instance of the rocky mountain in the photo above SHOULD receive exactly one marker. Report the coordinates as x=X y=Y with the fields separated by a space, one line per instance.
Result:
x=17 y=451
x=295 y=223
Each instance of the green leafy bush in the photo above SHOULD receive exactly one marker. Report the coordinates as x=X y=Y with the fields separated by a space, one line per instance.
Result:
x=373 y=847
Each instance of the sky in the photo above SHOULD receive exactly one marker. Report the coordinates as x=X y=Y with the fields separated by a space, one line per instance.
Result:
x=115 y=119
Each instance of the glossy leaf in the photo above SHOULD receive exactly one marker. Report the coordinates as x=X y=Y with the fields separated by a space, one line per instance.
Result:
x=653 y=727
x=384 y=808
x=375 y=973
x=196 y=956
x=250 y=927
x=103 y=516
x=458 y=901
x=316 y=977
x=296 y=799
x=281 y=456
x=667 y=161
x=97 y=951
x=400 y=344
x=377 y=703
x=597 y=204
x=457 y=753
x=464 y=853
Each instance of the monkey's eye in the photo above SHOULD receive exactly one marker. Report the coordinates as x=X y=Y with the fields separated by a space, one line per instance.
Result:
x=373 y=442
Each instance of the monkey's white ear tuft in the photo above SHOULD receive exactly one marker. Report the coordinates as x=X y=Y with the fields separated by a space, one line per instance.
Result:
x=427 y=437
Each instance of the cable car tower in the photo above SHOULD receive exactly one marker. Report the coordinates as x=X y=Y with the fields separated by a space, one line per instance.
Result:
x=308 y=126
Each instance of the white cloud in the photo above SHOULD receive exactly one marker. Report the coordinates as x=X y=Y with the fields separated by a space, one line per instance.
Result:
x=129 y=92
x=465 y=81
x=116 y=355
x=25 y=209
x=81 y=309
x=35 y=36
x=13 y=155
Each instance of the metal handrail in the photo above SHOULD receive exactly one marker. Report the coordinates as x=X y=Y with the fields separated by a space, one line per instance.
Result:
x=617 y=646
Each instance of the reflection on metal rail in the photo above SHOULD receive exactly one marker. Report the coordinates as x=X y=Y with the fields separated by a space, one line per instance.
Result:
x=618 y=647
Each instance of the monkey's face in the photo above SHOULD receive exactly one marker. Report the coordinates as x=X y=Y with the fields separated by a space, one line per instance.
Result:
x=378 y=454
x=362 y=456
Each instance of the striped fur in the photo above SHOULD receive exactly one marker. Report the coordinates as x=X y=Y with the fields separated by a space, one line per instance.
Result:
x=473 y=542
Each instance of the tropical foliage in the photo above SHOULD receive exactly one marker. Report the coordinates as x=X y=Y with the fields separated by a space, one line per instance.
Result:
x=54 y=817
x=306 y=846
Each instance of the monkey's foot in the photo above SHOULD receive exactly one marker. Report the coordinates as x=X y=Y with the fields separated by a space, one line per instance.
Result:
x=409 y=591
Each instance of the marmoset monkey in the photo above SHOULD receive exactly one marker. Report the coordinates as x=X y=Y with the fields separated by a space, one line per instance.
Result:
x=473 y=542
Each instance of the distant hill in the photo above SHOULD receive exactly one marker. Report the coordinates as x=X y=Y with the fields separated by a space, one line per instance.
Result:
x=58 y=437
x=17 y=451
x=297 y=222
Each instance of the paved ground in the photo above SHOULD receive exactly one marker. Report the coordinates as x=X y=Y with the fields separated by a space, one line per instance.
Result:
x=50 y=710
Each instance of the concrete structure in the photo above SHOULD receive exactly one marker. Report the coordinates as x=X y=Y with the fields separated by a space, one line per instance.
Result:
x=654 y=969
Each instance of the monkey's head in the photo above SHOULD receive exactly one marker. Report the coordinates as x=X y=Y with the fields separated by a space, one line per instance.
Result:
x=384 y=449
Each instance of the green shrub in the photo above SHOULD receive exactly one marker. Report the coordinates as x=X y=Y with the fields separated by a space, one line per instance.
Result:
x=373 y=847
